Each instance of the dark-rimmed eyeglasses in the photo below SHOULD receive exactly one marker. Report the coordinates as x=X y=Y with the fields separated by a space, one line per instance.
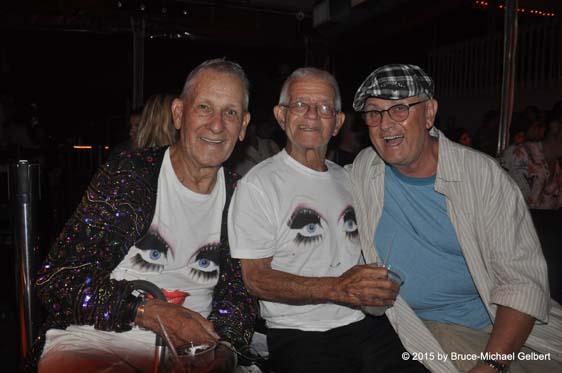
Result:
x=301 y=108
x=399 y=113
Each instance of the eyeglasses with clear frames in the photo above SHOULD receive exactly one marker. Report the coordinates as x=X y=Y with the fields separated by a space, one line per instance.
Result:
x=399 y=113
x=301 y=108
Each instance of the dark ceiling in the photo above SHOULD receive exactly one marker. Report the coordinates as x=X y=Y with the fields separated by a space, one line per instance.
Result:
x=51 y=49
x=258 y=22
x=263 y=22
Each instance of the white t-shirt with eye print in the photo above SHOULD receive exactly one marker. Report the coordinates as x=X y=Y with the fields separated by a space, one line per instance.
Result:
x=304 y=220
x=179 y=253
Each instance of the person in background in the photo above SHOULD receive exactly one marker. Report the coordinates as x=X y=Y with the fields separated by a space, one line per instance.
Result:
x=476 y=278
x=536 y=127
x=156 y=125
x=152 y=128
x=462 y=136
x=293 y=225
x=134 y=120
x=253 y=150
x=351 y=140
x=159 y=215
x=518 y=129
x=486 y=136
x=535 y=167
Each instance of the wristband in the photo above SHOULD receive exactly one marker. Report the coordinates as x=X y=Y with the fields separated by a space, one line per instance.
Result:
x=499 y=367
x=232 y=349
x=139 y=312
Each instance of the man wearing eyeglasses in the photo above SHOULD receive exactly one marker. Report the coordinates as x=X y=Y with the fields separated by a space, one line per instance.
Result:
x=476 y=295
x=293 y=226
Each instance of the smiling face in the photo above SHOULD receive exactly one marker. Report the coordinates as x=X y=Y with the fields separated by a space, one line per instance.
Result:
x=406 y=145
x=211 y=117
x=309 y=131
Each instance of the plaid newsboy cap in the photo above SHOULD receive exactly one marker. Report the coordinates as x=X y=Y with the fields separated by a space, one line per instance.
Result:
x=394 y=82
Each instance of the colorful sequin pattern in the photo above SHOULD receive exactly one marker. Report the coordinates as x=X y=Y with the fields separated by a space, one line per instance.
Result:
x=116 y=210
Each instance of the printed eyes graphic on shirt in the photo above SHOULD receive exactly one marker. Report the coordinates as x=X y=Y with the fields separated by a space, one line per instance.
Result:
x=204 y=264
x=349 y=223
x=153 y=253
x=308 y=224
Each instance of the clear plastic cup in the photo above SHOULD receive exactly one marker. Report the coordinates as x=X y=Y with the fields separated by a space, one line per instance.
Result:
x=394 y=276
x=191 y=357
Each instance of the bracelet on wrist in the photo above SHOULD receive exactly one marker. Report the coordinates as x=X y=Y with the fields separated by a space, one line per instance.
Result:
x=139 y=311
x=499 y=367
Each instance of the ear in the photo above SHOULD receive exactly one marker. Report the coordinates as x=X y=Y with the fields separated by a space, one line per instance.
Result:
x=279 y=112
x=245 y=122
x=177 y=112
x=430 y=113
x=340 y=119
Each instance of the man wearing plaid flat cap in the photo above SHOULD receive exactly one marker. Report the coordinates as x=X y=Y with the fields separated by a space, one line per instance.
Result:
x=475 y=295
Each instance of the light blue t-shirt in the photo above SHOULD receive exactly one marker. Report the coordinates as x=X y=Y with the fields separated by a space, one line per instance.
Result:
x=437 y=283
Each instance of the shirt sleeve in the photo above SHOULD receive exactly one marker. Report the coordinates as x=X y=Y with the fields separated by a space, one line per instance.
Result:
x=234 y=308
x=251 y=223
x=517 y=263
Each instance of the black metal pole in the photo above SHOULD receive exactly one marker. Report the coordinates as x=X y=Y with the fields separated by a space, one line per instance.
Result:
x=138 y=28
x=25 y=195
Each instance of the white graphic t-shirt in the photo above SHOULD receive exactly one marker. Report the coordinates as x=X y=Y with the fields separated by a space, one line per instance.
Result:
x=180 y=252
x=305 y=221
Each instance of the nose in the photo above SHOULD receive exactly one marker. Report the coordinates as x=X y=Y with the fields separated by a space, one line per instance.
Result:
x=312 y=112
x=386 y=121
x=216 y=122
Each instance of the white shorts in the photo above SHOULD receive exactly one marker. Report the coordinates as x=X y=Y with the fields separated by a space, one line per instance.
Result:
x=84 y=349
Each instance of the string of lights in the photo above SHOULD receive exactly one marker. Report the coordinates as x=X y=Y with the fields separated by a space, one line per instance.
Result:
x=481 y=4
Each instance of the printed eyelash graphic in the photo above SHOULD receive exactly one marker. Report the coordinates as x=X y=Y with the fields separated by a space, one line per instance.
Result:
x=350 y=223
x=309 y=224
x=153 y=246
x=138 y=261
x=205 y=263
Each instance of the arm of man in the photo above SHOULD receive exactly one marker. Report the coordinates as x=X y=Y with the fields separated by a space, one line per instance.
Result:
x=185 y=327
x=231 y=320
x=517 y=268
x=74 y=281
x=182 y=325
x=511 y=329
x=360 y=285
x=234 y=309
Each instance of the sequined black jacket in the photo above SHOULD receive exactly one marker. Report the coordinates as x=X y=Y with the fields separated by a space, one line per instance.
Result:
x=116 y=210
